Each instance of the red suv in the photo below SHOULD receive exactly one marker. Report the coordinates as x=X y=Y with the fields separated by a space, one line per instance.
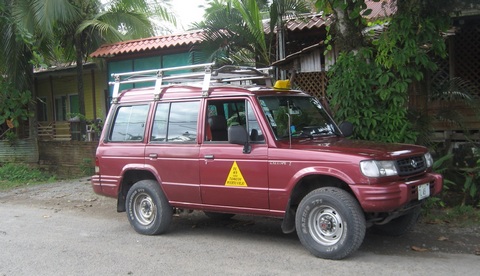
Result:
x=229 y=149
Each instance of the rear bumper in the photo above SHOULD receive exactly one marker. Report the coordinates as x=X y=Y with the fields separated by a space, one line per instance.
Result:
x=97 y=187
x=389 y=197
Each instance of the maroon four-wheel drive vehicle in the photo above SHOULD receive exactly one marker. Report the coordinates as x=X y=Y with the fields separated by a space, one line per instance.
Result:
x=226 y=146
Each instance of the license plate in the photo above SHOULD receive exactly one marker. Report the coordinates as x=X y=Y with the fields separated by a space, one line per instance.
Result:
x=423 y=191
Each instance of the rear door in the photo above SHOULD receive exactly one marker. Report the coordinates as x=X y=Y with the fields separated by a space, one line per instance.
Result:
x=228 y=176
x=173 y=150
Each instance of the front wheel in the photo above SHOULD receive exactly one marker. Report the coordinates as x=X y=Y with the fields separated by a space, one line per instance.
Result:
x=330 y=223
x=148 y=209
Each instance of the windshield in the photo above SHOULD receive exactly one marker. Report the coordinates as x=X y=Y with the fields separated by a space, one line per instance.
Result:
x=298 y=116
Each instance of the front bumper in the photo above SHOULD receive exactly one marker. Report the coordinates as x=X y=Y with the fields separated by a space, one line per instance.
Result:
x=392 y=196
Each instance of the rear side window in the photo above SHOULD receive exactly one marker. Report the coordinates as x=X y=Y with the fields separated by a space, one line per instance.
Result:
x=129 y=124
x=176 y=122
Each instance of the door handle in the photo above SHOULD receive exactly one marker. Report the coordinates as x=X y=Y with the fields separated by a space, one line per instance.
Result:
x=209 y=156
x=153 y=156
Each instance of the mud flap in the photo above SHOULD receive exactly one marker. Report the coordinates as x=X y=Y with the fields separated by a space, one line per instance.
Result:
x=288 y=224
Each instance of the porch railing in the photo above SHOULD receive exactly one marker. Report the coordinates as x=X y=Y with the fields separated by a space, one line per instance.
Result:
x=65 y=131
x=58 y=131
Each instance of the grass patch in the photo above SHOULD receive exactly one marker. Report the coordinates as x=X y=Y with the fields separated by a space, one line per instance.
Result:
x=19 y=175
x=461 y=215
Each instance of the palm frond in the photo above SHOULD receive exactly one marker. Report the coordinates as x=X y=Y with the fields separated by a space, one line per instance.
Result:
x=46 y=12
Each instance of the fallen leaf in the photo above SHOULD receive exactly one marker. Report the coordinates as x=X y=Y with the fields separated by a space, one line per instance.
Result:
x=242 y=223
x=443 y=238
x=435 y=221
x=46 y=216
x=419 y=249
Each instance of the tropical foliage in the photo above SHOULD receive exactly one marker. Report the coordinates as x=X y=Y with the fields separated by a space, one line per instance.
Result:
x=235 y=29
x=35 y=32
x=14 y=108
x=397 y=59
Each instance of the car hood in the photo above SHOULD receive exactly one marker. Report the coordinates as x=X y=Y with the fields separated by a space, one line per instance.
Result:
x=377 y=150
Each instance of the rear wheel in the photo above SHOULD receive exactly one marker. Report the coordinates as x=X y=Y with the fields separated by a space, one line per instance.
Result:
x=148 y=209
x=400 y=225
x=330 y=223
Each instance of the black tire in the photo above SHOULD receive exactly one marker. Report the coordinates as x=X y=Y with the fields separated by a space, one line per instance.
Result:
x=148 y=209
x=330 y=223
x=219 y=216
x=399 y=226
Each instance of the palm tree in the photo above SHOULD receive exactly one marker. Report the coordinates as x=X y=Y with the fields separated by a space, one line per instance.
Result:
x=77 y=26
x=235 y=30
x=231 y=38
x=24 y=25
x=98 y=23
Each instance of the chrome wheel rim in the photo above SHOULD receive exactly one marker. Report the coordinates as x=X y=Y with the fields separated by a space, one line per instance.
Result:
x=325 y=225
x=144 y=209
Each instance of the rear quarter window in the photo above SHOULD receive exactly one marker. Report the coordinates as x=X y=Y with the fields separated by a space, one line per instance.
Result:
x=129 y=124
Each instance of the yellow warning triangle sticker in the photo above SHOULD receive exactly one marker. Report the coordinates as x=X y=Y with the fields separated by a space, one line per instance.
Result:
x=235 y=177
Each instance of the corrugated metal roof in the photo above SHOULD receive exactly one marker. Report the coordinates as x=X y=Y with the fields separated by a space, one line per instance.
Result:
x=314 y=21
x=291 y=57
x=303 y=22
x=151 y=43
x=380 y=9
x=310 y=21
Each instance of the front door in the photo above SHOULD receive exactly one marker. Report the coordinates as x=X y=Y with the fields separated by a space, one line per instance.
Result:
x=228 y=176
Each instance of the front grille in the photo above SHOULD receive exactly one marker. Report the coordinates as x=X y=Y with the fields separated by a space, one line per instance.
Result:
x=411 y=165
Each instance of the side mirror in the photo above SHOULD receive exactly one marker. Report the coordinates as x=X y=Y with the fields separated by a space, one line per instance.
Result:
x=346 y=128
x=238 y=135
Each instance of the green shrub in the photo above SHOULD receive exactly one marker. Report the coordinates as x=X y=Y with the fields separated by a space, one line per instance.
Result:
x=87 y=167
x=14 y=175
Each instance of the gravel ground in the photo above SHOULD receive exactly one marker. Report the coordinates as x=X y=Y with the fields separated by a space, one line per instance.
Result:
x=77 y=196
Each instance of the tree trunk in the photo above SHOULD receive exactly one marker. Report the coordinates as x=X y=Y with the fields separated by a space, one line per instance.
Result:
x=80 y=88
x=29 y=85
x=281 y=44
x=348 y=35
x=32 y=106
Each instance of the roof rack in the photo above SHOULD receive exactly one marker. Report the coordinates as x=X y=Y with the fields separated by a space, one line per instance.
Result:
x=199 y=72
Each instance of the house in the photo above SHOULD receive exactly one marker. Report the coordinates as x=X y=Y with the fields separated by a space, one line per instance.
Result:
x=305 y=49
x=461 y=70
x=150 y=53
x=58 y=103
x=56 y=89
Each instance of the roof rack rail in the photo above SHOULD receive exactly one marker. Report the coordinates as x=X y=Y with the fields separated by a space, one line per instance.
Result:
x=227 y=73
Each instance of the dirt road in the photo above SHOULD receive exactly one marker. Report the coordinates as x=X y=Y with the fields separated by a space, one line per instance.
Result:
x=66 y=229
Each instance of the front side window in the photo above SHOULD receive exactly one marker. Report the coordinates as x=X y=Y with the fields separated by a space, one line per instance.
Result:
x=129 y=124
x=223 y=114
x=297 y=116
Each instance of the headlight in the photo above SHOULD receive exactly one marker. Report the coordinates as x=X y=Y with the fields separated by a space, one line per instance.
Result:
x=428 y=159
x=373 y=168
